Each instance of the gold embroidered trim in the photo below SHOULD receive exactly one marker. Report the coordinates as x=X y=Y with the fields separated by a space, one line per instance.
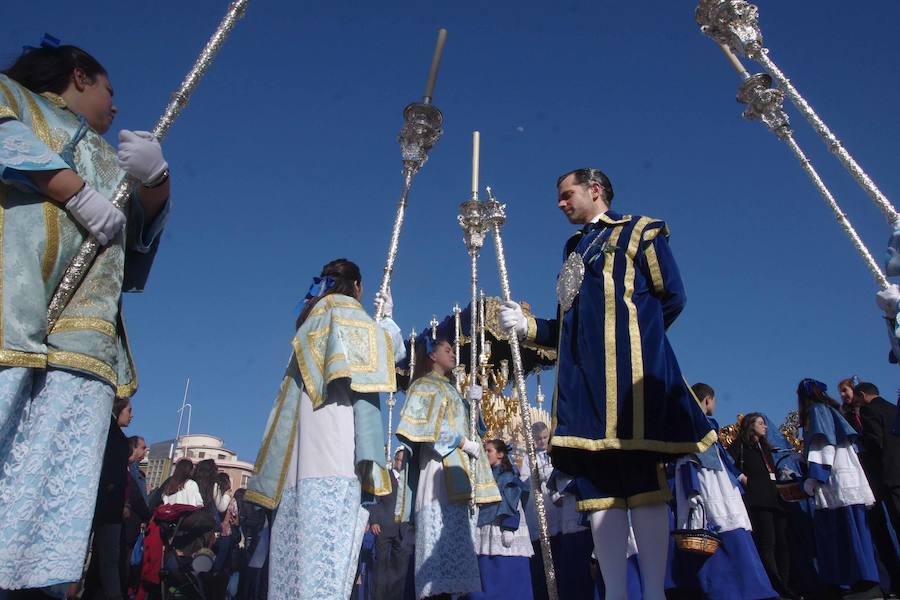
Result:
x=259 y=498
x=607 y=219
x=85 y=323
x=634 y=334
x=581 y=443
x=14 y=358
x=652 y=234
x=600 y=504
x=531 y=333
x=82 y=362
x=55 y=99
x=609 y=338
x=51 y=249
x=8 y=113
x=649 y=498
x=655 y=272
x=11 y=100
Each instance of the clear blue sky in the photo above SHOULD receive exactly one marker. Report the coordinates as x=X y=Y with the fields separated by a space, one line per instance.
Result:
x=287 y=157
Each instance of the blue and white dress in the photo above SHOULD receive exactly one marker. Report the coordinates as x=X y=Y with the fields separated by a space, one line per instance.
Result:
x=735 y=570
x=505 y=570
x=846 y=555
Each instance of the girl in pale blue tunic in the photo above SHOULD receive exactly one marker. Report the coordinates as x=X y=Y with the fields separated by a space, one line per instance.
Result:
x=57 y=387
x=438 y=481
x=322 y=457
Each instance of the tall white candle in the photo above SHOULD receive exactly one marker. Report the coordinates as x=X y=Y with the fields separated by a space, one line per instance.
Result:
x=476 y=148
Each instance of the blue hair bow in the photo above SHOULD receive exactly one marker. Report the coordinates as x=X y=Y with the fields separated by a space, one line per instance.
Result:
x=854 y=381
x=429 y=344
x=319 y=286
x=48 y=41
x=809 y=386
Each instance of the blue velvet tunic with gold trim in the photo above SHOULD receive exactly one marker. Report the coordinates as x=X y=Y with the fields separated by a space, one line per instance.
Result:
x=618 y=384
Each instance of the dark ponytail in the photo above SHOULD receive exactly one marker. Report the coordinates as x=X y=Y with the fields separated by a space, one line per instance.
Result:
x=500 y=446
x=345 y=274
x=47 y=69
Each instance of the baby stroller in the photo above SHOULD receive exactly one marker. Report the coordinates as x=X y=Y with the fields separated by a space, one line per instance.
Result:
x=177 y=553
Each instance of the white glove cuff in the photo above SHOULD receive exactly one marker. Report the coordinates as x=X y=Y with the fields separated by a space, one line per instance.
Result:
x=472 y=448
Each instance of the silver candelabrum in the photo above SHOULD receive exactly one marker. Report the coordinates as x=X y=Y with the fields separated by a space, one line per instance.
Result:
x=734 y=24
x=421 y=130
x=87 y=252
x=494 y=216
x=473 y=236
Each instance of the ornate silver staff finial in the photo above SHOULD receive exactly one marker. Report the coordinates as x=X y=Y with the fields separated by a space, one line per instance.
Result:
x=764 y=104
x=434 y=325
x=735 y=24
x=391 y=401
x=84 y=258
x=494 y=215
x=420 y=132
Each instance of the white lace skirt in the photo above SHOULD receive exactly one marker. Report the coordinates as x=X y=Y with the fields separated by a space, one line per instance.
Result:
x=316 y=536
x=445 y=552
x=53 y=427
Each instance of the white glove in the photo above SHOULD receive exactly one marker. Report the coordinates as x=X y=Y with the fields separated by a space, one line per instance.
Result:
x=472 y=448
x=511 y=315
x=474 y=392
x=695 y=501
x=96 y=214
x=140 y=155
x=887 y=300
x=810 y=486
x=506 y=536
x=387 y=303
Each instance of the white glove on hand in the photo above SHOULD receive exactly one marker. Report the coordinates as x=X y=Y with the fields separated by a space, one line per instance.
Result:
x=887 y=300
x=140 y=155
x=511 y=315
x=810 y=486
x=474 y=392
x=506 y=536
x=387 y=303
x=96 y=214
x=471 y=448
x=695 y=501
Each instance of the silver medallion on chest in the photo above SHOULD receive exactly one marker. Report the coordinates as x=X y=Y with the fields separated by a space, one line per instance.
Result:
x=569 y=282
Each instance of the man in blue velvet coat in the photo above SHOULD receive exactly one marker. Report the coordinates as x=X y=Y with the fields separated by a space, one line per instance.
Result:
x=621 y=406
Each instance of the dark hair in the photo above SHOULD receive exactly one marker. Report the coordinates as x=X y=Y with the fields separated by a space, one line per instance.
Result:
x=867 y=389
x=344 y=273
x=423 y=363
x=133 y=442
x=119 y=404
x=745 y=435
x=500 y=446
x=538 y=427
x=224 y=482
x=808 y=392
x=50 y=69
x=183 y=470
x=205 y=474
x=702 y=390
x=587 y=176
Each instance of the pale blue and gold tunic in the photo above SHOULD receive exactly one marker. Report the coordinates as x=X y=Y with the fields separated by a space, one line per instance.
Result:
x=38 y=239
